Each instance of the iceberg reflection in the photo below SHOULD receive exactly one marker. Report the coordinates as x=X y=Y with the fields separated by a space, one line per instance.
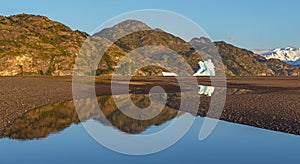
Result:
x=206 y=90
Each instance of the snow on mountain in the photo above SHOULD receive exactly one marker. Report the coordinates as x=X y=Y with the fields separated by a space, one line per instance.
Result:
x=260 y=51
x=289 y=55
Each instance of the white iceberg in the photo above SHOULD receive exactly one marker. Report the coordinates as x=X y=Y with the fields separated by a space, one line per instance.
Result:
x=169 y=74
x=206 y=68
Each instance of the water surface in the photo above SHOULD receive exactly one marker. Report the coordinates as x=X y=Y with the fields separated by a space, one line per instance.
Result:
x=229 y=143
x=54 y=134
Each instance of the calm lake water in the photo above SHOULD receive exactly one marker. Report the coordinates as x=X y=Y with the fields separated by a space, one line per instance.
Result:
x=53 y=134
x=229 y=143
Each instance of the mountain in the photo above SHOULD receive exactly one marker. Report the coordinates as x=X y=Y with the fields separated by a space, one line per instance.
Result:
x=137 y=34
x=122 y=29
x=242 y=62
x=289 y=55
x=31 y=44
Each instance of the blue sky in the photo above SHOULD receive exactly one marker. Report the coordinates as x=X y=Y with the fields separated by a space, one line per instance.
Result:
x=255 y=24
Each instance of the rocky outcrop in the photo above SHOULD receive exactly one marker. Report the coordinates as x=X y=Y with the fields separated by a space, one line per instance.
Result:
x=31 y=44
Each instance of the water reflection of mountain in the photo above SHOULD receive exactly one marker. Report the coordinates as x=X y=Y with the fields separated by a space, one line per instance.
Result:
x=130 y=125
x=39 y=123
x=54 y=118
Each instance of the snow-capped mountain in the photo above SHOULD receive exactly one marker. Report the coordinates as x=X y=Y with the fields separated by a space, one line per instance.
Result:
x=289 y=55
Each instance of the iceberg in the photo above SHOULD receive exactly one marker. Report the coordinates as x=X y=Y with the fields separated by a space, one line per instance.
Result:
x=169 y=74
x=206 y=68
